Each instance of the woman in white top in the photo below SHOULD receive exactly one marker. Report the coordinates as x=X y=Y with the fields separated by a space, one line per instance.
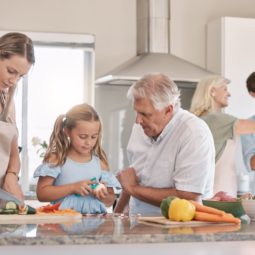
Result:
x=16 y=58
x=209 y=100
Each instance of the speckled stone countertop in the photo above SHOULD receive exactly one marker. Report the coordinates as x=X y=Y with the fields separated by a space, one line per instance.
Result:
x=118 y=229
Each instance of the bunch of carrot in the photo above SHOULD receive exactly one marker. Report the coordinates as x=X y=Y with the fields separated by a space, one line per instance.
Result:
x=206 y=213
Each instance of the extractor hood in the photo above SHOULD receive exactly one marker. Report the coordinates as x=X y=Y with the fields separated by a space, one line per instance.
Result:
x=153 y=50
x=176 y=68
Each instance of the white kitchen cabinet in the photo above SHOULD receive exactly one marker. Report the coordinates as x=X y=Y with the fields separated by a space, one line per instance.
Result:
x=231 y=53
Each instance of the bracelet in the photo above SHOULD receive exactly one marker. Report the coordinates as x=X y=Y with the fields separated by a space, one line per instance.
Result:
x=12 y=172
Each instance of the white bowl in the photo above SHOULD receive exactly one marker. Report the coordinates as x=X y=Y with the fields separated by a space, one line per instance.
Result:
x=249 y=207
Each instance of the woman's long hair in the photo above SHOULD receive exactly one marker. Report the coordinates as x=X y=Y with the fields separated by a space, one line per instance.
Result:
x=14 y=44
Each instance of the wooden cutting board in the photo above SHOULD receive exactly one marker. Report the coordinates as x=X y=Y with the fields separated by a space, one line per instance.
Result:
x=165 y=222
x=38 y=218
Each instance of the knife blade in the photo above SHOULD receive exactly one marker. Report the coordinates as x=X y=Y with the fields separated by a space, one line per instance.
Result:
x=6 y=196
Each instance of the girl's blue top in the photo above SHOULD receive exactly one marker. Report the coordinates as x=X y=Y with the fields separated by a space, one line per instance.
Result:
x=72 y=172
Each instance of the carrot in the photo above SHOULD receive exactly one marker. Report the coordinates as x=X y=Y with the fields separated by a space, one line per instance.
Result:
x=207 y=209
x=202 y=216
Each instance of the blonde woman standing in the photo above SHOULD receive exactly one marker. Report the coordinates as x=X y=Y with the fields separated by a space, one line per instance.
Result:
x=209 y=100
x=16 y=58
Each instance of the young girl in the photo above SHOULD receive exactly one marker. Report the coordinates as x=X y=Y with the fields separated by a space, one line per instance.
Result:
x=75 y=163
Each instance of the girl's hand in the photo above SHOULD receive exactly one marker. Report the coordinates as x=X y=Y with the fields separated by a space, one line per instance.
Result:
x=100 y=192
x=83 y=188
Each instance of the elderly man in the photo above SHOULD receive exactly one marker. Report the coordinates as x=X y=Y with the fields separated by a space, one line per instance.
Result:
x=170 y=151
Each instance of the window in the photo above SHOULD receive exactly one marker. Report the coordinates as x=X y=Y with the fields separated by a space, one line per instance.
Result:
x=62 y=76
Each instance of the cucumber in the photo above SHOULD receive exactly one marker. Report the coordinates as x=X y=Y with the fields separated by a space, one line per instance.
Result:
x=9 y=211
x=11 y=205
x=27 y=209
x=31 y=210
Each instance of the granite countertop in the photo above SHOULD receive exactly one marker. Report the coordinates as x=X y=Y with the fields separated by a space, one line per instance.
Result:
x=118 y=229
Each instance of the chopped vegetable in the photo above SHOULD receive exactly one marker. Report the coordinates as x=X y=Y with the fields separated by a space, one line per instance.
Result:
x=11 y=205
x=9 y=211
x=49 y=208
x=31 y=210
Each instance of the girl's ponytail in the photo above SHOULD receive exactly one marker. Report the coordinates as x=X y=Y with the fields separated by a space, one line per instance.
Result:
x=58 y=145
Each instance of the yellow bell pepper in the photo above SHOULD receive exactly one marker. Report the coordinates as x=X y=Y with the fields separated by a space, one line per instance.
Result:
x=181 y=210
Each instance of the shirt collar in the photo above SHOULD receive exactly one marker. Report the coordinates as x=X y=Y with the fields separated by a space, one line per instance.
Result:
x=168 y=127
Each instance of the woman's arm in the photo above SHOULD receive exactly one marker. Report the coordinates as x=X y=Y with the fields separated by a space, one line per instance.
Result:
x=11 y=184
x=47 y=192
x=244 y=127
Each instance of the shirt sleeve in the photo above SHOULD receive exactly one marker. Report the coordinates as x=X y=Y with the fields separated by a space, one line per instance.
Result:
x=248 y=148
x=47 y=170
x=222 y=128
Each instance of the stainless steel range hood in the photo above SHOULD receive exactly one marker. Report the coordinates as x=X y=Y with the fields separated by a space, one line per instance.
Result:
x=176 y=68
x=153 y=49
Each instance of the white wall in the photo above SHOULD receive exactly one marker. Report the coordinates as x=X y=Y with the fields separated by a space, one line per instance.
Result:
x=114 y=24
x=189 y=19
x=112 y=21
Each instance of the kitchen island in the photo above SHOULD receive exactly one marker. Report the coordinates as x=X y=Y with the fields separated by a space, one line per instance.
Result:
x=119 y=234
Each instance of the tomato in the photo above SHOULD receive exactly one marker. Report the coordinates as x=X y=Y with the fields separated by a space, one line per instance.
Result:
x=50 y=208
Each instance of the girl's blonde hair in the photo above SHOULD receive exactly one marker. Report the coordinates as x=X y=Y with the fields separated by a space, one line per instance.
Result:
x=202 y=100
x=14 y=44
x=59 y=143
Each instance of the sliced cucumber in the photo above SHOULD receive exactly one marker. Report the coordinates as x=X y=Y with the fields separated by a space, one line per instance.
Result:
x=9 y=211
x=11 y=205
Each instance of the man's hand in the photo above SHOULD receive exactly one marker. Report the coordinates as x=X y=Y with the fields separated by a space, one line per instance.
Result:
x=128 y=180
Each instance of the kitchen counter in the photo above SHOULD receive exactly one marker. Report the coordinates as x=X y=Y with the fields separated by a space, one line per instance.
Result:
x=114 y=232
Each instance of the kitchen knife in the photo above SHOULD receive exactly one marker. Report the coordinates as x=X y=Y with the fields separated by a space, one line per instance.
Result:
x=4 y=195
